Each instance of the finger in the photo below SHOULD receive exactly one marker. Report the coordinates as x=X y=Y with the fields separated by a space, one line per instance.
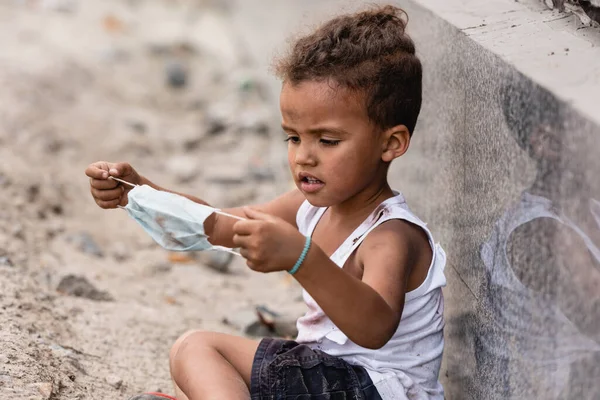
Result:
x=251 y=264
x=252 y=213
x=241 y=241
x=97 y=170
x=108 y=194
x=244 y=253
x=120 y=169
x=124 y=199
x=103 y=184
x=107 y=204
x=245 y=228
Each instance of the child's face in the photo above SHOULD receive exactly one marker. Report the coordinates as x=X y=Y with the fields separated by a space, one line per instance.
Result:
x=334 y=151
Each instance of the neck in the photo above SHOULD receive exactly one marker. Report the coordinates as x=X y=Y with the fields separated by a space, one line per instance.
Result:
x=359 y=206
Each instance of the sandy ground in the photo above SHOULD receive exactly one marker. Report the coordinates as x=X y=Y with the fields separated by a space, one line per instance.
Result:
x=87 y=81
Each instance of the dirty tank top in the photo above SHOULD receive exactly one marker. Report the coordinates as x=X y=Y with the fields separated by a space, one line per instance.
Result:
x=407 y=367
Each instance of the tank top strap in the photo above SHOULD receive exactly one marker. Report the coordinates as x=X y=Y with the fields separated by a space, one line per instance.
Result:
x=392 y=208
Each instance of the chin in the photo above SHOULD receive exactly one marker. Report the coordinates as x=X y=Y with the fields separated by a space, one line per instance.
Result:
x=316 y=200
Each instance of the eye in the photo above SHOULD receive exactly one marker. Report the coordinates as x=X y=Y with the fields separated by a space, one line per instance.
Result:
x=328 y=142
x=292 y=139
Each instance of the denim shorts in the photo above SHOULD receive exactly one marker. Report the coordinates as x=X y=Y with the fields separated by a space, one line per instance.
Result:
x=286 y=370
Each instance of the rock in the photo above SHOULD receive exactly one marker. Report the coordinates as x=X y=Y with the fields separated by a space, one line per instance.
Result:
x=66 y=6
x=114 y=381
x=4 y=181
x=84 y=242
x=277 y=324
x=6 y=262
x=45 y=389
x=17 y=231
x=5 y=379
x=256 y=120
x=241 y=319
x=240 y=195
x=184 y=168
x=120 y=252
x=54 y=227
x=138 y=127
x=176 y=74
x=77 y=365
x=262 y=322
x=78 y=286
x=227 y=175
x=217 y=260
x=160 y=268
x=259 y=171
x=219 y=117
x=114 y=55
x=33 y=192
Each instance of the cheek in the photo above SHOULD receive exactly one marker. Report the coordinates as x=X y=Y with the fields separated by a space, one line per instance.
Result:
x=291 y=157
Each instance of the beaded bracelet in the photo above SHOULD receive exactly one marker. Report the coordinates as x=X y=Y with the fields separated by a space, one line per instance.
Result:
x=302 y=257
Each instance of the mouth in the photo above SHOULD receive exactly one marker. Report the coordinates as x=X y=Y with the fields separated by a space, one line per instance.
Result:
x=310 y=183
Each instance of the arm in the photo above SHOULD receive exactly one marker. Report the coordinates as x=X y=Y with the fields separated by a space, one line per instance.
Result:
x=378 y=300
x=109 y=193
x=219 y=228
x=367 y=311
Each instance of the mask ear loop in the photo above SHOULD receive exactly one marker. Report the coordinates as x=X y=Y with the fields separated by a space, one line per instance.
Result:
x=122 y=181
x=217 y=211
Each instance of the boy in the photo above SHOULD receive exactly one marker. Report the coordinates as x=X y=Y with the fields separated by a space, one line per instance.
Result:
x=370 y=270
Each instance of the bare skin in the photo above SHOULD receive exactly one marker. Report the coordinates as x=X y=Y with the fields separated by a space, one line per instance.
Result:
x=332 y=141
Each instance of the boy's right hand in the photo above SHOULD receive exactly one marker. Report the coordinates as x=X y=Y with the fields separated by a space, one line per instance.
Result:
x=108 y=193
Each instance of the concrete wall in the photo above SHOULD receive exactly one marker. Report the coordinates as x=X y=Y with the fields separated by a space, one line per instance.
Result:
x=506 y=174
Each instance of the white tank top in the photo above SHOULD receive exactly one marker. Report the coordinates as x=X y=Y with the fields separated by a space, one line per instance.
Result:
x=407 y=367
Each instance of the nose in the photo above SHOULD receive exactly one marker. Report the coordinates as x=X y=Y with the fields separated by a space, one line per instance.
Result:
x=304 y=155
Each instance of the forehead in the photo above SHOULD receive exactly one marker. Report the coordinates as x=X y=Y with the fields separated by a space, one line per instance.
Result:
x=317 y=102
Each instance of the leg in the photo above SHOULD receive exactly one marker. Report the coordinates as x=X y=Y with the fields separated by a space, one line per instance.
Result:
x=208 y=365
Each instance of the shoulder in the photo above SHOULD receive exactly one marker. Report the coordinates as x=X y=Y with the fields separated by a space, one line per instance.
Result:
x=393 y=240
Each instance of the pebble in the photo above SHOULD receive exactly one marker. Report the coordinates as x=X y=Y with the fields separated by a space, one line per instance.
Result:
x=262 y=322
x=5 y=378
x=138 y=127
x=84 y=242
x=219 y=117
x=217 y=260
x=260 y=172
x=227 y=175
x=17 y=231
x=66 y=6
x=254 y=120
x=4 y=181
x=120 y=252
x=160 y=268
x=176 y=74
x=79 y=286
x=45 y=389
x=6 y=262
x=184 y=168
x=114 y=381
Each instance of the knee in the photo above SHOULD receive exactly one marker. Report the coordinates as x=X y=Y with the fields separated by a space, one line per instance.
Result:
x=186 y=342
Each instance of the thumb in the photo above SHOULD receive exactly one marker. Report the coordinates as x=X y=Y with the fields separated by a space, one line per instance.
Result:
x=120 y=169
x=252 y=213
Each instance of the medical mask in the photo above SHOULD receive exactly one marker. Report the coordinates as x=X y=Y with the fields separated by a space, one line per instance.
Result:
x=174 y=222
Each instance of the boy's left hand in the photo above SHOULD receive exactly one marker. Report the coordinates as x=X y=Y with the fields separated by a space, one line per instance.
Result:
x=267 y=243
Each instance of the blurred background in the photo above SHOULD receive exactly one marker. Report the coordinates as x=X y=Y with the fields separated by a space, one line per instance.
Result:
x=503 y=166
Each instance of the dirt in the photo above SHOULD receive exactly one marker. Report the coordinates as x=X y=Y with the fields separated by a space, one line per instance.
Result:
x=89 y=305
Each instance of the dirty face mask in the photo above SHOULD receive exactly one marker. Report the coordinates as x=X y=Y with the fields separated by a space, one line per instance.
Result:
x=175 y=222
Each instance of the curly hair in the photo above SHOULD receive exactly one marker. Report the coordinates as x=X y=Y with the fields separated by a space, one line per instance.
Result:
x=369 y=53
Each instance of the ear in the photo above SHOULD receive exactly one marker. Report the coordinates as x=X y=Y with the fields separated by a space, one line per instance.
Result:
x=395 y=143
